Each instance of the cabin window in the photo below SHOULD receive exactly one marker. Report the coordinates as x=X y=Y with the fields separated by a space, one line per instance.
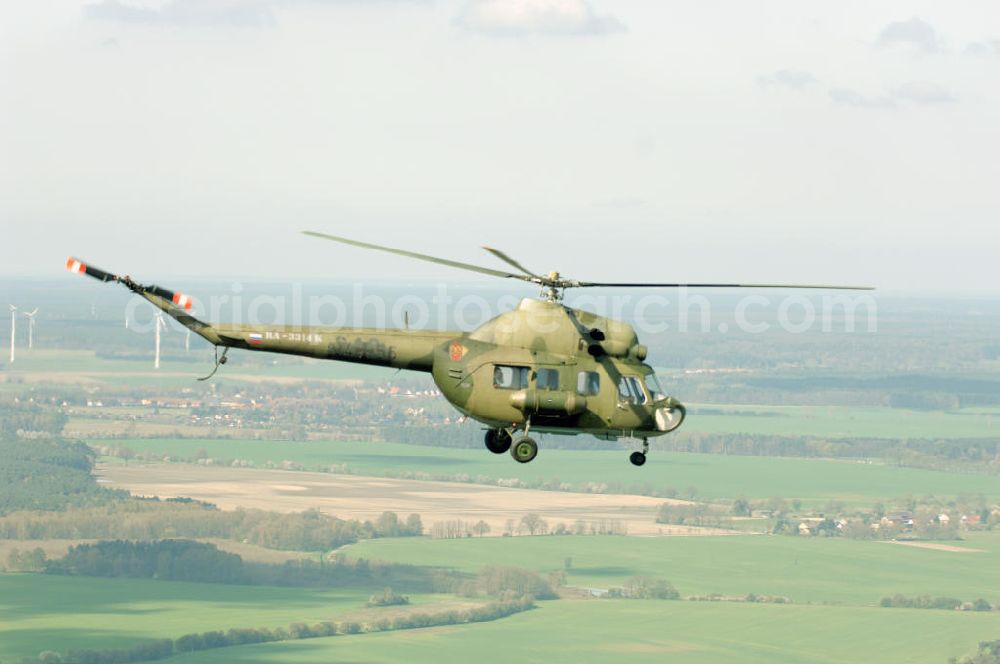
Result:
x=630 y=390
x=547 y=379
x=588 y=383
x=510 y=378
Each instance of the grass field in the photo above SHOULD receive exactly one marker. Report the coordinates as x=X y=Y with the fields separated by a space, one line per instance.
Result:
x=833 y=582
x=650 y=631
x=841 y=422
x=816 y=570
x=40 y=612
x=815 y=481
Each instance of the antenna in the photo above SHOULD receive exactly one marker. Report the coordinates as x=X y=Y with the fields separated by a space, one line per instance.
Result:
x=31 y=326
x=13 y=330
x=160 y=324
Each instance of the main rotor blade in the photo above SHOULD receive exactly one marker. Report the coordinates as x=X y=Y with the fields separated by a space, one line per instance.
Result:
x=595 y=284
x=510 y=261
x=423 y=257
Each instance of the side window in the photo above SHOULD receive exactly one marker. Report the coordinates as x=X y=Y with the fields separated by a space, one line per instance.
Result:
x=588 y=383
x=510 y=378
x=547 y=379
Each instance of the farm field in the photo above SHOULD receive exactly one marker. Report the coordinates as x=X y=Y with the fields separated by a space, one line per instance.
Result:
x=714 y=477
x=43 y=612
x=653 y=631
x=365 y=498
x=806 y=570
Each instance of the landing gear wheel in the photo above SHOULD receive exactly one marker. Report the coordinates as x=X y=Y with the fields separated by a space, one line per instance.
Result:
x=637 y=458
x=497 y=440
x=524 y=450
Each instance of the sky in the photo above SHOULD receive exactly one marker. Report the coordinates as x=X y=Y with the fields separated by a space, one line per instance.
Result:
x=850 y=142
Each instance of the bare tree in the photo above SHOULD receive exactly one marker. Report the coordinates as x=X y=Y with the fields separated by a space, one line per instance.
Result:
x=534 y=524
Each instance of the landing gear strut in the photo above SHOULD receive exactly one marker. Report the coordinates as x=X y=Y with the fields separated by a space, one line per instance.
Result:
x=639 y=458
x=498 y=440
x=524 y=449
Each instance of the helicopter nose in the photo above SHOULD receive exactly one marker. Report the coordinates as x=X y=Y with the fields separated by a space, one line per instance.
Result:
x=670 y=417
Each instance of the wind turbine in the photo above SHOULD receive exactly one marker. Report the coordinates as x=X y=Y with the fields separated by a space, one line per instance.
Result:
x=159 y=325
x=31 y=326
x=13 y=330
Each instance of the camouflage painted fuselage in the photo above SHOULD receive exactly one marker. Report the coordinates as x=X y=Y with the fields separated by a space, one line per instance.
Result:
x=539 y=339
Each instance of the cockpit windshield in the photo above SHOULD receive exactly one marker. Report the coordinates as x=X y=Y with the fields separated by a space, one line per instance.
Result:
x=653 y=385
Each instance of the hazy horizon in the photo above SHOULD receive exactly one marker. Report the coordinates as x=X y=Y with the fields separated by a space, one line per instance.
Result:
x=620 y=141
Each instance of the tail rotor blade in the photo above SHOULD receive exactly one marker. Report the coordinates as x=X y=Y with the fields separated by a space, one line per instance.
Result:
x=78 y=266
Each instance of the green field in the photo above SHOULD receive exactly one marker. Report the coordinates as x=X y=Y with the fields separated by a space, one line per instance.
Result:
x=807 y=569
x=40 y=612
x=841 y=421
x=833 y=583
x=815 y=481
x=649 y=631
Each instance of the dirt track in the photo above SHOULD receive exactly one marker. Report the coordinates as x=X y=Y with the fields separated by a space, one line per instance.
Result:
x=360 y=497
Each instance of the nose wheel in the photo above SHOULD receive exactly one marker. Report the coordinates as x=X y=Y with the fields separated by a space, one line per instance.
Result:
x=639 y=458
x=524 y=449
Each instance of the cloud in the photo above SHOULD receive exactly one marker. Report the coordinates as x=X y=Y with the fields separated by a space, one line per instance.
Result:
x=924 y=92
x=542 y=17
x=234 y=13
x=914 y=92
x=787 y=78
x=913 y=33
x=986 y=47
x=849 y=97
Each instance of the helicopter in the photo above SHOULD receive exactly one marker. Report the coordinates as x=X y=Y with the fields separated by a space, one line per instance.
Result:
x=542 y=367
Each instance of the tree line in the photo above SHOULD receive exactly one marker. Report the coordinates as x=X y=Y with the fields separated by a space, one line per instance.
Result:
x=163 y=648
x=187 y=560
x=148 y=519
x=898 y=601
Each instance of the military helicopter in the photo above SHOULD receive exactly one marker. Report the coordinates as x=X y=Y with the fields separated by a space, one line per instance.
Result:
x=542 y=367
